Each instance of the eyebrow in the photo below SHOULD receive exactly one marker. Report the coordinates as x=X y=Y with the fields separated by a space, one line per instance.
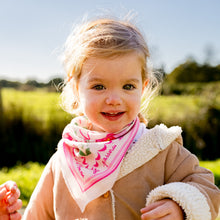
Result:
x=95 y=79
x=133 y=80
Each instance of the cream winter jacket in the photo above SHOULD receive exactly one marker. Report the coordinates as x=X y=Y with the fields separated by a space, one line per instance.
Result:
x=156 y=167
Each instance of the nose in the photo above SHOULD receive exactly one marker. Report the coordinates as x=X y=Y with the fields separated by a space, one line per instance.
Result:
x=113 y=98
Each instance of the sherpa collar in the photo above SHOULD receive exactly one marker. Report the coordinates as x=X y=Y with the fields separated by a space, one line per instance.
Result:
x=148 y=146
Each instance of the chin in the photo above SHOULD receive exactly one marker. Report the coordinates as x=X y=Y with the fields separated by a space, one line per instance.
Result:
x=113 y=130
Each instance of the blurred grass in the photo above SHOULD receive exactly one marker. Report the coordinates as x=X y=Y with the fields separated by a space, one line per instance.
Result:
x=26 y=176
x=43 y=105
x=174 y=107
x=214 y=166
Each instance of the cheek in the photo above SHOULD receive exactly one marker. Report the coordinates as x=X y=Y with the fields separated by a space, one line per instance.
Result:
x=88 y=102
x=136 y=98
x=135 y=103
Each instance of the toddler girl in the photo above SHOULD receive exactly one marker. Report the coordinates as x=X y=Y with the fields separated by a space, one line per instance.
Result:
x=108 y=164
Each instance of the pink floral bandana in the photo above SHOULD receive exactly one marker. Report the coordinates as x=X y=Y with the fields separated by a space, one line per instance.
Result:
x=90 y=160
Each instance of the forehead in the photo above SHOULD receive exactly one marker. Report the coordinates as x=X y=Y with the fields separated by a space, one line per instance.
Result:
x=127 y=66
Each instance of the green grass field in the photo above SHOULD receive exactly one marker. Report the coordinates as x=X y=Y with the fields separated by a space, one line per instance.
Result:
x=214 y=166
x=169 y=107
x=26 y=176
x=41 y=104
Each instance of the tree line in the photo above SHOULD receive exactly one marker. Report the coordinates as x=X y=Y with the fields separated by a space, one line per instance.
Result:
x=52 y=85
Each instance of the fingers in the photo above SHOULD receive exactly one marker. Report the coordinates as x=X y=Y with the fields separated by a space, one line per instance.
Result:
x=151 y=206
x=3 y=192
x=165 y=209
x=11 y=186
x=13 y=192
x=15 y=216
x=13 y=197
x=155 y=211
x=14 y=207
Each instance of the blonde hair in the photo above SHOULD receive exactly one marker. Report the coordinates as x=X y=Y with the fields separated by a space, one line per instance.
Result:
x=103 y=38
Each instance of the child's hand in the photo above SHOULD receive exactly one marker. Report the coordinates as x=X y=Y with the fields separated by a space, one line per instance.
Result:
x=165 y=209
x=9 y=202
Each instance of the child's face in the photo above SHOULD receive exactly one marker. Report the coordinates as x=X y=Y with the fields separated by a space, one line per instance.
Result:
x=110 y=91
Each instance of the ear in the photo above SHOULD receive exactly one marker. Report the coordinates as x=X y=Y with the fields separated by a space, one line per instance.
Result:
x=145 y=84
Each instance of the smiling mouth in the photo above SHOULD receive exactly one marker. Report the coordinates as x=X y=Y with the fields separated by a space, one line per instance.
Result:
x=112 y=116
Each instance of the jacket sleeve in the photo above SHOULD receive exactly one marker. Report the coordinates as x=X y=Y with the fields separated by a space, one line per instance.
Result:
x=188 y=184
x=41 y=202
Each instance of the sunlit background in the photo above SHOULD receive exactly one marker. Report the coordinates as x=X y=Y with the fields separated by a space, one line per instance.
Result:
x=32 y=32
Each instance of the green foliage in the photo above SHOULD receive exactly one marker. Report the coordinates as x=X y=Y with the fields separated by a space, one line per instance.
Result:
x=199 y=118
x=31 y=126
x=31 y=85
x=196 y=88
x=26 y=177
x=9 y=84
x=38 y=105
x=214 y=166
x=191 y=71
x=173 y=109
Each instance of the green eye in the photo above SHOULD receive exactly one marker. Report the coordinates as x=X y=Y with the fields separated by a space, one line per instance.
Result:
x=98 y=87
x=128 y=87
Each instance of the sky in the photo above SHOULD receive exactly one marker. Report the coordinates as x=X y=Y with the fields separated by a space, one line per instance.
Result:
x=32 y=32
